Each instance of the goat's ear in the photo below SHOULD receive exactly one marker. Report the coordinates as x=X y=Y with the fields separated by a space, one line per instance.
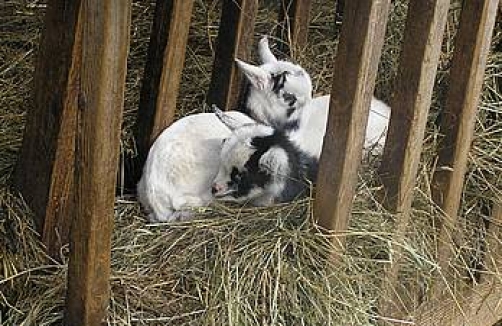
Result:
x=274 y=162
x=258 y=77
x=227 y=120
x=264 y=52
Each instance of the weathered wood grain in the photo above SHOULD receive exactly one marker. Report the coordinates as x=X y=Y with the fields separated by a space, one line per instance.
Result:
x=235 y=37
x=410 y=105
x=356 y=66
x=458 y=118
x=44 y=170
x=162 y=77
x=481 y=307
x=294 y=19
x=482 y=304
x=492 y=261
x=105 y=47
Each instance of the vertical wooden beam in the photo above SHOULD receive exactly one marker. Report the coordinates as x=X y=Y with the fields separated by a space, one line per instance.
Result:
x=356 y=64
x=294 y=19
x=164 y=66
x=457 y=124
x=410 y=104
x=235 y=36
x=411 y=100
x=42 y=174
x=104 y=59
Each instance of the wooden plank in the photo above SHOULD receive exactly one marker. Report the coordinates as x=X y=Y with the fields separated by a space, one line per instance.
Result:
x=294 y=19
x=356 y=65
x=458 y=118
x=104 y=58
x=482 y=305
x=42 y=173
x=410 y=104
x=235 y=37
x=163 y=71
x=492 y=261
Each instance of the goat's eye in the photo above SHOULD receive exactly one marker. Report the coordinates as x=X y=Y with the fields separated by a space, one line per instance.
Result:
x=289 y=98
x=278 y=81
x=224 y=140
x=235 y=176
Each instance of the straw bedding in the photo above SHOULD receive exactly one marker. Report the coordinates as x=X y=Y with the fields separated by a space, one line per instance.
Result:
x=243 y=266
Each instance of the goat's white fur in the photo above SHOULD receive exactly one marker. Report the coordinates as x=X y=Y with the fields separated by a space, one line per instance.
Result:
x=264 y=52
x=181 y=166
x=310 y=135
x=312 y=114
x=236 y=152
x=266 y=106
x=185 y=158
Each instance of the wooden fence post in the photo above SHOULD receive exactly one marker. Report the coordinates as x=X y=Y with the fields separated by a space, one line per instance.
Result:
x=235 y=36
x=356 y=64
x=105 y=46
x=44 y=170
x=410 y=104
x=166 y=55
x=294 y=19
x=472 y=45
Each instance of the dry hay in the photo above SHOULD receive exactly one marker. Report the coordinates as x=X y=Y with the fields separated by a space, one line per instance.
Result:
x=242 y=266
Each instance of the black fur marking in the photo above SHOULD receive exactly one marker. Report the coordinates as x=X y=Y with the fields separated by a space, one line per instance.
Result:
x=289 y=98
x=234 y=175
x=303 y=168
x=244 y=181
x=278 y=81
x=290 y=111
x=291 y=125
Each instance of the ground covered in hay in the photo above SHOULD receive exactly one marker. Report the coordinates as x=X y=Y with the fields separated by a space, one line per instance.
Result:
x=242 y=266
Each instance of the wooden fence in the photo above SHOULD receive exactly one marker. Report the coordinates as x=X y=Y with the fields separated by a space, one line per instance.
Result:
x=68 y=162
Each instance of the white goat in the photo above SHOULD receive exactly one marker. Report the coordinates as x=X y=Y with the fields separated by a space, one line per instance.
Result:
x=280 y=95
x=181 y=166
x=261 y=165
x=184 y=160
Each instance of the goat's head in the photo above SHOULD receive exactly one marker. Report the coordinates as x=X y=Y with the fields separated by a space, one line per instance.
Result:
x=253 y=165
x=278 y=89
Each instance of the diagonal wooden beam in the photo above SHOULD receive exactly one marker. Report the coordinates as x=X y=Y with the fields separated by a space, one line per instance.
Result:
x=482 y=304
x=481 y=307
x=235 y=37
x=458 y=118
x=44 y=170
x=356 y=64
x=105 y=46
x=410 y=104
x=492 y=261
x=162 y=77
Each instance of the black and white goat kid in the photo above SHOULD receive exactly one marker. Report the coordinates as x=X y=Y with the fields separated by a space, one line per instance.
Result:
x=185 y=158
x=260 y=165
x=279 y=94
